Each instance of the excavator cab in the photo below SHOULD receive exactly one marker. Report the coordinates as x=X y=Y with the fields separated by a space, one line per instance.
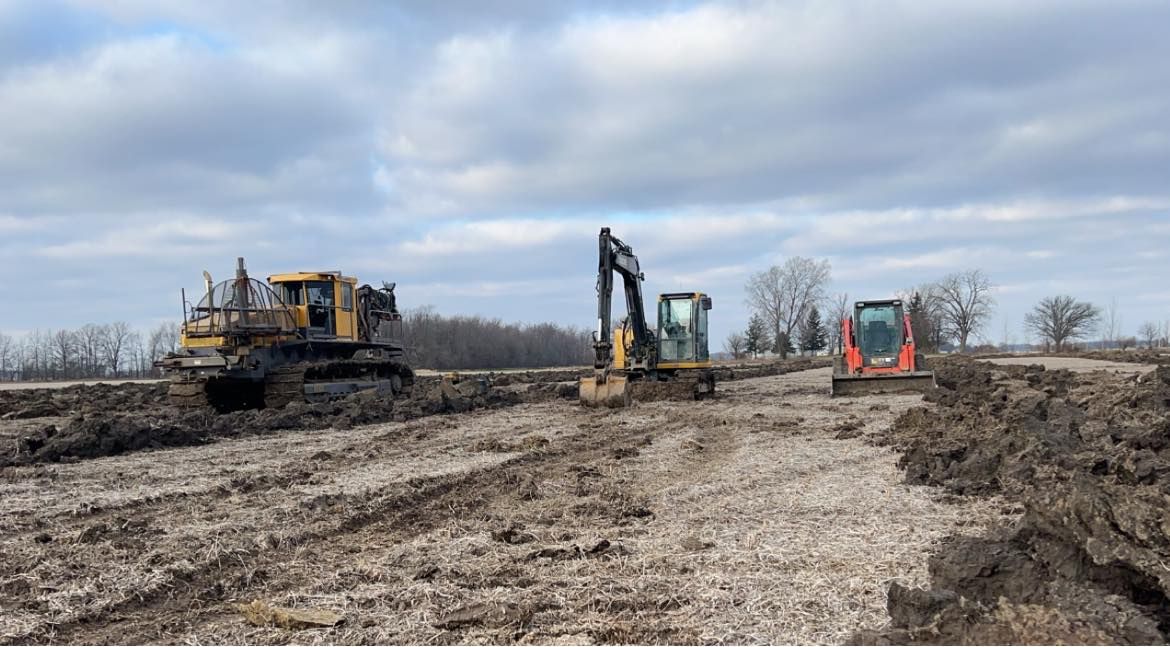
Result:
x=880 y=354
x=682 y=330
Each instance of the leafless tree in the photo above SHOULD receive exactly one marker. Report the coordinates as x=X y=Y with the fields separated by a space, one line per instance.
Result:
x=734 y=344
x=64 y=349
x=1008 y=339
x=88 y=339
x=838 y=311
x=7 y=355
x=139 y=359
x=1111 y=324
x=966 y=303
x=1149 y=332
x=782 y=294
x=1127 y=342
x=1061 y=319
x=113 y=344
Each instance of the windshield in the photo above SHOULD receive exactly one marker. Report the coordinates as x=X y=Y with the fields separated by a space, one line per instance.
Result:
x=878 y=332
x=675 y=337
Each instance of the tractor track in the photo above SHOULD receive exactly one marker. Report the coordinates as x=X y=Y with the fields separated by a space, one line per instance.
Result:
x=709 y=521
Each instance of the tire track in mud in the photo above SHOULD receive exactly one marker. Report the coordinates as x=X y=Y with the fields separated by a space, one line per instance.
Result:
x=611 y=526
x=402 y=510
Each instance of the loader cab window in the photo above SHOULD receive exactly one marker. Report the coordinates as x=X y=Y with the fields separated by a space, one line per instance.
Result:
x=320 y=300
x=878 y=330
x=346 y=297
x=676 y=339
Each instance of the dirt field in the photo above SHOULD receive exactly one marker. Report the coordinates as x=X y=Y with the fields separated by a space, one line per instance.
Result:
x=1085 y=454
x=764 y=515
x=1077 y=364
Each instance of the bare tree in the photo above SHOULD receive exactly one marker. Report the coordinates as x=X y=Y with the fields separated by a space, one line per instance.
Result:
x=783 y=294
x=1111 y=324
x=1149 y=332
x=838 y=310
x=966 y=303
x=1062 y=318
x=113 y=344
x=7 y=355
x=88 y=339
x=64 y=345
x=1008 y=339
x=734 y=344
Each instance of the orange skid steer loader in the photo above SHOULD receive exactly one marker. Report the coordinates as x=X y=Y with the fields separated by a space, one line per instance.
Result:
x=879 y=352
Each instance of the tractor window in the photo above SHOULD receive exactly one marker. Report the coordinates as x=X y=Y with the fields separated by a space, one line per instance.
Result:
x=321 y=301
x=878 y=330
x=346 y=296
x=320 y=293
x=293 y=294
x=675 y=336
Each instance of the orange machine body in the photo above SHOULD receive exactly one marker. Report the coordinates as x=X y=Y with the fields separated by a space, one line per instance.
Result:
x=855 y=363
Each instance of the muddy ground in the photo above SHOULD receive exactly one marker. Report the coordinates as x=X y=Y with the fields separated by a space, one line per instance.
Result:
x=764 y=515
x=87 y=421
x=1086 y=458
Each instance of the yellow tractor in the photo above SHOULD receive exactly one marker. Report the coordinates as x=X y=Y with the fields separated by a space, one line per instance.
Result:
x=311 y=336
x=631 y=364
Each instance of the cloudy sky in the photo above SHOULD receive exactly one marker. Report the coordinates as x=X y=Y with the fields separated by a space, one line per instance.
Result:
x=471 y=150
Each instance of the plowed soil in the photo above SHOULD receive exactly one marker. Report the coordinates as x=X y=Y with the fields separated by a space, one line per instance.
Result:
x=763 y=515
x=1085 y=457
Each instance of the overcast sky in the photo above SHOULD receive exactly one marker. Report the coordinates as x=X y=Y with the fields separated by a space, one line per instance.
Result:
x=470 y=151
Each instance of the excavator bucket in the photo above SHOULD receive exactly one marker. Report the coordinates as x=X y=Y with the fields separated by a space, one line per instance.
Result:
x=610 y=391
x=915 y=382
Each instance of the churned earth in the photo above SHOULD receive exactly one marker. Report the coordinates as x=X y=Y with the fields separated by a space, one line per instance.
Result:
x=765 y=515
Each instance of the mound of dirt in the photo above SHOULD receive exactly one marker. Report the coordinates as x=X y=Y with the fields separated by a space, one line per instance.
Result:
x=1087 y=459
x=106 y=420
x=20 y=404
x=107 y=432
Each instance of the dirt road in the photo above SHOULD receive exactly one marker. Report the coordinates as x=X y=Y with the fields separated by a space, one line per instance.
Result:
x=759 y=516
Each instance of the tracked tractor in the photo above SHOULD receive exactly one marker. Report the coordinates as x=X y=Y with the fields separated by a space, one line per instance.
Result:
x=306 y=336
x=879 y=352
x=635 y=362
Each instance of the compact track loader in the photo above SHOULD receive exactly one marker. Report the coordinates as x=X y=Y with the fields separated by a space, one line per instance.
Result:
x=879 y=352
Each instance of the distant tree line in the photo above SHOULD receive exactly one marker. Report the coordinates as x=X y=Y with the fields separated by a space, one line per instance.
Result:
x=92 y=351
x=433 y=341
x=472 y=342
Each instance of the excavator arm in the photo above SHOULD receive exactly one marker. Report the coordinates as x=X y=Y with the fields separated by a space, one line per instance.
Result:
x=616 y=256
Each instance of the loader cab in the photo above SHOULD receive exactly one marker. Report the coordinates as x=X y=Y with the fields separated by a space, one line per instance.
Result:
x=879 y=331
x=322 y=303
x=682 y=330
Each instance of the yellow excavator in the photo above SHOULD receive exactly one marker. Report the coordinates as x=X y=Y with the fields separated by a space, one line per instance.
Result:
x=632 y=364
x=304 y=336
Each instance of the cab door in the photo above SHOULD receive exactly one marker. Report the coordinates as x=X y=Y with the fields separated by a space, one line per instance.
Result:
x=321 y=301
x=346 y=320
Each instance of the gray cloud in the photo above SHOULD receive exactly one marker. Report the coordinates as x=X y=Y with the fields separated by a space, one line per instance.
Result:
x=470 y=151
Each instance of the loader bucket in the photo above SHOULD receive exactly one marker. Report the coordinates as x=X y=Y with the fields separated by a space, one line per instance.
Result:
x=916 y=382
x=612 y=391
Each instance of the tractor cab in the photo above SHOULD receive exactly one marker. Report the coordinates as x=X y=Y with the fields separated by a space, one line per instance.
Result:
x=322 y=303
x=880 y=332
x=682 y=330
